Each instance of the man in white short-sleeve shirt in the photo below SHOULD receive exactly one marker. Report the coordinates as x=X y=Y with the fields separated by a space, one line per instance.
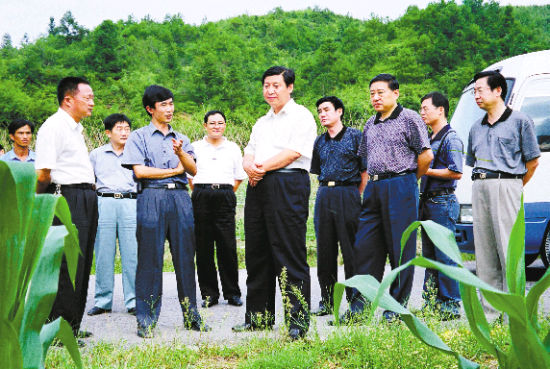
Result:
x=219 y=174
x=277 y=160
x=63 y=167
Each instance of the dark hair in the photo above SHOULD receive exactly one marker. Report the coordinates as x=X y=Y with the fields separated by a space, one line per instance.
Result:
x=154 y=94
x=113 y=119
x=438 y=100
x=214 y=112
x=494 y=80
x=18 y=123
x=69 y=86
x=336 y=102
x=287 y=73
x=386 y=77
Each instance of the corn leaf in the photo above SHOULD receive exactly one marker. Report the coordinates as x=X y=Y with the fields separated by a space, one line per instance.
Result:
x=9 y=347
x=515 y=258
x=62 y=330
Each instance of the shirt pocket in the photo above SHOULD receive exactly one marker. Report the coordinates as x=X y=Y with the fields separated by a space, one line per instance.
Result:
x=507 y=149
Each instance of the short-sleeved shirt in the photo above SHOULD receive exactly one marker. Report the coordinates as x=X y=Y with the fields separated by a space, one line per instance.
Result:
x=292 y=128
x=336 y=159
x=110 y=176
x=504 y=146
x=10 y=156
x=60 y=147
x=393 y=145
x=218 y=164
x=448 y=154
x=150 y=147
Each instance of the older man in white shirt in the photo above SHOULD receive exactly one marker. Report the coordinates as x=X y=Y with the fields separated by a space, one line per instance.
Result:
x=63 y=167
x=277 y=160
x=219 y=174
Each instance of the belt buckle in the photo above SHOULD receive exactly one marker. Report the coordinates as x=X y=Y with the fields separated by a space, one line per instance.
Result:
x=118 y=195
x=215 y=186
x=331 y=183
x=170 y=186
x=482 y=175
x=375 y=177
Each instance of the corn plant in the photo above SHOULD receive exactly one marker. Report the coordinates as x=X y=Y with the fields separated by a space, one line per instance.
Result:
x=31 y=251
x=527 y=350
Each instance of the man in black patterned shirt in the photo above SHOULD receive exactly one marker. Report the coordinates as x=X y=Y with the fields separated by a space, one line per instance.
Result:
x=342 y=178
x=397 y=149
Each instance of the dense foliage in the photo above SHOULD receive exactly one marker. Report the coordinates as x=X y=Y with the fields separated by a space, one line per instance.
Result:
x=218 y=64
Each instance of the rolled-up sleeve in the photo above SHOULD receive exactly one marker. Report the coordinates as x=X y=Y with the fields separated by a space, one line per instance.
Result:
x=134 y=151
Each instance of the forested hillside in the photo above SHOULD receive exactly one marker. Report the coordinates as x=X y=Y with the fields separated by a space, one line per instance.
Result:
x=218 y=64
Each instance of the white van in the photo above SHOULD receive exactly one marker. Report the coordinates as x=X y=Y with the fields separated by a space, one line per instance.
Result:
x=528 y=78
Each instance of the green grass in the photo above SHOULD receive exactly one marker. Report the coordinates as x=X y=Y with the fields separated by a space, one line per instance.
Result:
x=375 y=345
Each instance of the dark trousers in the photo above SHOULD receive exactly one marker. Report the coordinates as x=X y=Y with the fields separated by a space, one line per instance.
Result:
x=214 y=211
x=275 y=216
x=336 y=217
x=70 y=302
x=389 y=207
x=443 y=210
x=162 y=214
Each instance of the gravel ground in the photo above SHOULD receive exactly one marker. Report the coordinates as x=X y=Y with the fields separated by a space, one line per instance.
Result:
x=120 y=327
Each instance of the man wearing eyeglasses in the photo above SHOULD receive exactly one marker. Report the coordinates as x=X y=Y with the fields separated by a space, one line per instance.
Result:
x=219 y=174
x=504 y=152
x=63 y=167
x=116 y=191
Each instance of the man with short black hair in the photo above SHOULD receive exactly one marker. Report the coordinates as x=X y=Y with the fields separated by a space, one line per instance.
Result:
x=277 y=160
x=342 y=179
x=397 y=150
x=63 y=167
x=116 y=191
x=160 y=157
x=438 y=202
x=503 y=149
x=20 y=132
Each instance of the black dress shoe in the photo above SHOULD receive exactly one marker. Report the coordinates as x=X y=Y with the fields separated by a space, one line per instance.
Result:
x=296 y=334
x=97 y=311
x=145 y=332
x=198 y=326
x=209 y=303
x=132 y=311
x=235 y=301
x=84 y=334
x=57 y=343
x=348 y=318
x=391 y=316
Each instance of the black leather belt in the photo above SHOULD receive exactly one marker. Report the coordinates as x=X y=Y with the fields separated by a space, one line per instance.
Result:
x=118 y=195
x=440 y=192
x=165 y=186
x=379 y=177
x=82 y=186
x=214 y=186
x=337 y=183
x=288 y=170
x=494 y=175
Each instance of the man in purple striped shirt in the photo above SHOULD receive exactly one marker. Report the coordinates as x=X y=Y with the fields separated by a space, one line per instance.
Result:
x=396 y=147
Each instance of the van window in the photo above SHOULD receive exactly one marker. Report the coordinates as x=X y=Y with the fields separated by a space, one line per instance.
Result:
x=536 y=104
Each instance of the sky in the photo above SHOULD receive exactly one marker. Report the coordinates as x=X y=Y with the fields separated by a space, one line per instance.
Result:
x=18 y=17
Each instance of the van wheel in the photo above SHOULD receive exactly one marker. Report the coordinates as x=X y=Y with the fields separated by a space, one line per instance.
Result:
x=545 y=249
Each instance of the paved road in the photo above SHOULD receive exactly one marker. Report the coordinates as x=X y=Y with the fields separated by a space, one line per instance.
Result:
x=120 y=327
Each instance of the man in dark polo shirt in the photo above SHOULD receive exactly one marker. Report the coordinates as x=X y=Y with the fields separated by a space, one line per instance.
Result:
x=503 y=149
x=342 y=178
x=438 y=202
x=396 y=147
x=160 y=157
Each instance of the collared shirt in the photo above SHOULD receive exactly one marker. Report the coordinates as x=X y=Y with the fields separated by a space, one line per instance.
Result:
x=110 y=176
x=449 y=155
x=10 y=156
x=292 y=128
x=60 y=146
x=218 y=164
x=393 y=145
x=150 y=147
x=504 y=146
x=336 y=159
